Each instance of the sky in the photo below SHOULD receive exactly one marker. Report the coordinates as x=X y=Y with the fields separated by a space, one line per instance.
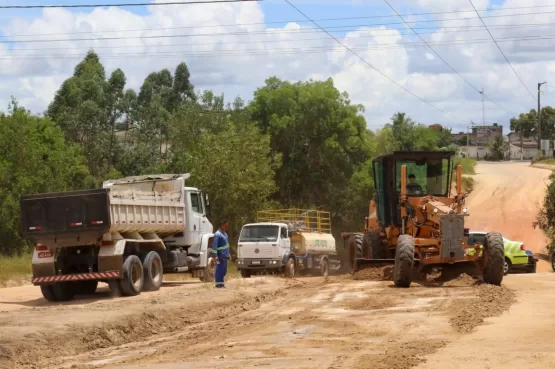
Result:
x=233 y=48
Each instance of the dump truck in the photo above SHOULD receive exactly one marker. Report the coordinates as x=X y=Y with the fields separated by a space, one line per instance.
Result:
x=414 y=221
x=289 y=241
x=127 y=234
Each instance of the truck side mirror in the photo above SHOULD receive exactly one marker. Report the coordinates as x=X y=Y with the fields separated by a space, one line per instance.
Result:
x=206 y=199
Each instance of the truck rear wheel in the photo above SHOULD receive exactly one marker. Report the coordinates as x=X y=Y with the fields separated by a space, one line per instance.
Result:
x=85 y=287
x=404 y=261
x=63 y=291
x=48 y=293
x=133 y=276
x=153 y=271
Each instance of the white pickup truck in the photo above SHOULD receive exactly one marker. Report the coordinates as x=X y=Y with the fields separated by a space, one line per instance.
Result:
x=128 y=234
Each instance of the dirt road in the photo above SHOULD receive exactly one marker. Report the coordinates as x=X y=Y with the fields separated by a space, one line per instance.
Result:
x=335 y=323
x=507 y=198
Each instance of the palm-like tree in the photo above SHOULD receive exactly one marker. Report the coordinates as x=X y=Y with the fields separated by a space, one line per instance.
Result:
x=498 y=147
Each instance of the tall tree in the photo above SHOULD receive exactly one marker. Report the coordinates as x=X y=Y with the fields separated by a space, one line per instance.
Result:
x=320 y=135
x=34 y=158
x=87 y=107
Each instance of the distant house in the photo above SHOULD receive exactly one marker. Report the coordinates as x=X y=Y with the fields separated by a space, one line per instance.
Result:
x=527 y=150
x=478 y=140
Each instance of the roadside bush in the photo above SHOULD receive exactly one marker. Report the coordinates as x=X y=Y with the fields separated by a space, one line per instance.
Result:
x=546 y=217
x=468 y=165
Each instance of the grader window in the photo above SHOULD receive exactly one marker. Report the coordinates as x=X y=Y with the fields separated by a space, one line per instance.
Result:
x=425 y=177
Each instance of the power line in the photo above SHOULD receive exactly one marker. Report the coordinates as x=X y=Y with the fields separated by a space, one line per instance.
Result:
x=122 y=4
x=255 y=51
x=266 y=32
x=442 y=59
x=508 y=62
x=392 y=45
x=305 y=29
x=295 y=21
x=371 y=66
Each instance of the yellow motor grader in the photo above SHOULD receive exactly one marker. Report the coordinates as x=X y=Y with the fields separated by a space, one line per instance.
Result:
x=414 y=221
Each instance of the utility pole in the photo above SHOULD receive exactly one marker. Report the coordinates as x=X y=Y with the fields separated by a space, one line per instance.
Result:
x=539 y=125
x=483 y=108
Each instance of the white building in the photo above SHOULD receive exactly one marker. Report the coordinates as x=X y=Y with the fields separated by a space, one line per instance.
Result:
x=526 y=151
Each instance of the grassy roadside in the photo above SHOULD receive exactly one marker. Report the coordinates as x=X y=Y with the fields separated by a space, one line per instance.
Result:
x=13 y=269
x=468 y=168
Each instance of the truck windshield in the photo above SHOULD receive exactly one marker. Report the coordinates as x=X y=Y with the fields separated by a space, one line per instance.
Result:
x=254 y=233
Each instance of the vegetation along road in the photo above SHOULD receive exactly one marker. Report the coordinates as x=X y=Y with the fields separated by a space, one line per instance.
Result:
x=345 y=321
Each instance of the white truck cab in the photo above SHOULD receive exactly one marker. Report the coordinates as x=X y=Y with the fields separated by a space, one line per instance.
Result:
x=262 y=246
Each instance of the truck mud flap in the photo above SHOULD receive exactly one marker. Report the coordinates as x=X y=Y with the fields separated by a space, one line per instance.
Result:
x=76 y=277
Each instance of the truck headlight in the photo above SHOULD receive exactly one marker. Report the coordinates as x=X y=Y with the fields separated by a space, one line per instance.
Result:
x=465 y=210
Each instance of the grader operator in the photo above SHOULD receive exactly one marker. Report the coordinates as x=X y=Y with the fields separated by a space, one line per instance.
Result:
x=420 y=223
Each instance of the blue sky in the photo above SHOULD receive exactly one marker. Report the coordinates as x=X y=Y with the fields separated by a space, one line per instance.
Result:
x=34 y=82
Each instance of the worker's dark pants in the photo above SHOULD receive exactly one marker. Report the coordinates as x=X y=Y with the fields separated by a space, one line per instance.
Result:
x=221 y=271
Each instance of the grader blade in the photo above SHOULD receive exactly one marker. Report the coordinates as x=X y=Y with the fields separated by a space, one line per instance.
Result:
x=361 y=263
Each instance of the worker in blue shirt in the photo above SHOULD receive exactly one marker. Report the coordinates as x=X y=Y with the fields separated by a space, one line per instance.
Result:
x=221 y=249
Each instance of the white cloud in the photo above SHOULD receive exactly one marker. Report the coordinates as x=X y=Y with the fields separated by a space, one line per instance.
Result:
x=33 y=71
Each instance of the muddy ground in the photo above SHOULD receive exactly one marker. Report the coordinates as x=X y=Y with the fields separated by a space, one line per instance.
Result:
x=339 y=322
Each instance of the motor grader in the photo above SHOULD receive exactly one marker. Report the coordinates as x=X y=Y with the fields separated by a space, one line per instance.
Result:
x=415 y=222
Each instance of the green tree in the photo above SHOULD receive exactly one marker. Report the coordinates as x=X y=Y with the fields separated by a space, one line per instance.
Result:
x=34 y=158
x=86 y=107
x=545 y=219
x=527 y=123
x=498 y=148
x=319 y=134
x=231 y=161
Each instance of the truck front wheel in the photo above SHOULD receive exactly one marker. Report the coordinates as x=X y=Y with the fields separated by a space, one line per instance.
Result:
x=153 y=270
x=133 y=276
x=290 y=268
x=245 y=273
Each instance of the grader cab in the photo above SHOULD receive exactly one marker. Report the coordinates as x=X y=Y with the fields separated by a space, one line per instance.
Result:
x=414 y=221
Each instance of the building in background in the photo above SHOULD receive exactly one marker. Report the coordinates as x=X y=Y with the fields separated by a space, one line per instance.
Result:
x=528 y=149
x=478 y=140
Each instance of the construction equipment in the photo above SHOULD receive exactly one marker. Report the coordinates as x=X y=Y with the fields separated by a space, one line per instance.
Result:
x=289 y=241
x=127 y=234
x=419 y=223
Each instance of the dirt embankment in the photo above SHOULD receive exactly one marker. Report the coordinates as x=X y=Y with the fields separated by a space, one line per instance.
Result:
x=162 y=313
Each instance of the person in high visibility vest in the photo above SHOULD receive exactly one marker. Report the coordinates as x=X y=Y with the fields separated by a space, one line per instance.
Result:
x=221 y=249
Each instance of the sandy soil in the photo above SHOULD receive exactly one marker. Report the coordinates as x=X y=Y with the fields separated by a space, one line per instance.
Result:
x=506 y=199
x=337 y=322
x=445 y=320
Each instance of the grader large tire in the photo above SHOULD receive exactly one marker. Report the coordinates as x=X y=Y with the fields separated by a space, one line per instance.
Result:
x=355 y=249
x=373 y=243
x=404 y=261
x=494 y=254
